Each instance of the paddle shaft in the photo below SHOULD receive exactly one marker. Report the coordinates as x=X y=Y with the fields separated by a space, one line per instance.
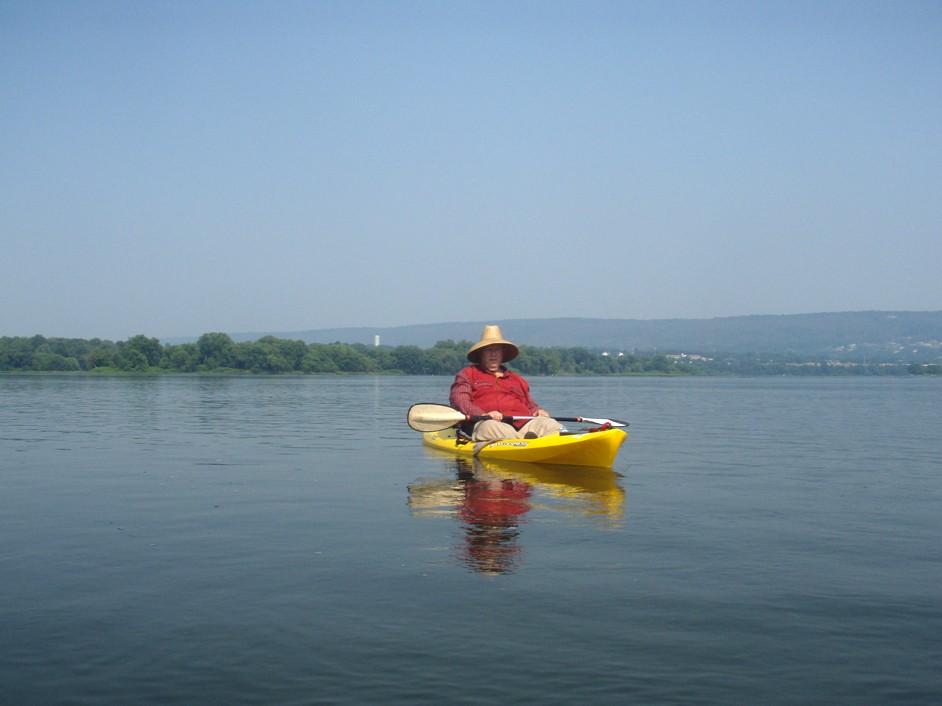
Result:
x=433 y=417
x=508 y=420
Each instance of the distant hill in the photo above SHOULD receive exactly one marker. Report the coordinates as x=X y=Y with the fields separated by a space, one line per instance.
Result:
x=891 y=335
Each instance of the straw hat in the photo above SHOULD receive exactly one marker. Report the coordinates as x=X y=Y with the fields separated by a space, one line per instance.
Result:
x=489 y=337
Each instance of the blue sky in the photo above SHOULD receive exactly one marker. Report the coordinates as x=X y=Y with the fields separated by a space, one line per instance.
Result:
x=174 y=168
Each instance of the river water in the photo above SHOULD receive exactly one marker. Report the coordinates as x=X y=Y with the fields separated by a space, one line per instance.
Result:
x=262 y=540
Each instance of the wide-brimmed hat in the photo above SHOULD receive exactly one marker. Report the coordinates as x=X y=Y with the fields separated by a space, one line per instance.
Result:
x=489 y=337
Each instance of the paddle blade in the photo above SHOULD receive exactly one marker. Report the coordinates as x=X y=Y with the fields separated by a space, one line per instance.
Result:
x=433 y=417
x=610 y=422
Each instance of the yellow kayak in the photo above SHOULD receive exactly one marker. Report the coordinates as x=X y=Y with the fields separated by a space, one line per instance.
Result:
x=597 y=448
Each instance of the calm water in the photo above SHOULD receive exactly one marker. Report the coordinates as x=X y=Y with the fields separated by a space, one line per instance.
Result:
x=288 y=540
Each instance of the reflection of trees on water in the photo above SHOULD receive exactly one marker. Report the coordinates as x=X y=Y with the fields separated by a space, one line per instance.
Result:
x=491 y=502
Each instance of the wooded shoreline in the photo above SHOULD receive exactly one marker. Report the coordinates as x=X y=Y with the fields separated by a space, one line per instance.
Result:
x=219 y=353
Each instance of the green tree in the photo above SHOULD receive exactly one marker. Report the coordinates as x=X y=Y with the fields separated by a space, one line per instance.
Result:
x=133 y=361
x=19 y=352
x=409 y=359
x=350 y=358
x=54 y=362
x=659 y=364
x=98 y=357
x=537 y=361
x=182 y=358
x=216 y=350
x=442 y=361
x=318 y=360
x=150 y=348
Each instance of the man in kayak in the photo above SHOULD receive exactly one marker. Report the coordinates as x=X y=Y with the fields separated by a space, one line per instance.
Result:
x=488 y=389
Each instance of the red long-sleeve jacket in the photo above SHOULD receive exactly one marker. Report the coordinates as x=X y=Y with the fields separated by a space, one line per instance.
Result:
x=476 y=392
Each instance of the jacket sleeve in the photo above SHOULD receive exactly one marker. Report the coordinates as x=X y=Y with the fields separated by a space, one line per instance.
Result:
x=460 y=397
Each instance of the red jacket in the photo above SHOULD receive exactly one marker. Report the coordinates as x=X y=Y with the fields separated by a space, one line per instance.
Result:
x=476 y=392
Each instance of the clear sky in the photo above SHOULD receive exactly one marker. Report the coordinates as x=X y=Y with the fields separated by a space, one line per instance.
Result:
x=175 y=168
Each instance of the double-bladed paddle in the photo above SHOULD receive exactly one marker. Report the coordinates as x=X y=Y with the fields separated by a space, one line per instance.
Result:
x=427 y=416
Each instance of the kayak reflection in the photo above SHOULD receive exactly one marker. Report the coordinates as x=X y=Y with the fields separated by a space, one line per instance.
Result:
x=491 y=501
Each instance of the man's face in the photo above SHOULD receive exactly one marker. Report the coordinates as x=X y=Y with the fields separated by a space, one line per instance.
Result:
x=492 y=357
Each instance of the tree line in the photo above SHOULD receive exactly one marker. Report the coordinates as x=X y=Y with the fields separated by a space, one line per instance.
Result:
x=219 y=353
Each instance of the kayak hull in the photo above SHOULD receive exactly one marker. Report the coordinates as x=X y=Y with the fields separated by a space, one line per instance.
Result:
x=597 y=448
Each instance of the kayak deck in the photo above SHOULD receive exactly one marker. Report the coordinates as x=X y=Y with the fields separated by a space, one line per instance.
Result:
x=596 y=448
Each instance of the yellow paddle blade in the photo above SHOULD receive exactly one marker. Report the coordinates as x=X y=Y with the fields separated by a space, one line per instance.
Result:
x=433 y=417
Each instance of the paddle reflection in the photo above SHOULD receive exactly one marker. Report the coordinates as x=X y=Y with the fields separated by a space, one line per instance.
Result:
x=491 y=501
